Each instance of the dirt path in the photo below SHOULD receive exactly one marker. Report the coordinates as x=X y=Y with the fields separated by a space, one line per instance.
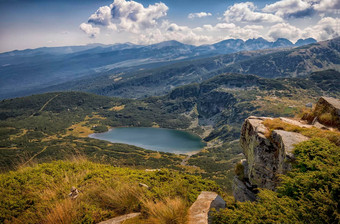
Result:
x=185 y=161
x=43 y=107
x=34 y=156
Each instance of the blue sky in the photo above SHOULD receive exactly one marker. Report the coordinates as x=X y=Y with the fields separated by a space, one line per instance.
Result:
x=36 y=23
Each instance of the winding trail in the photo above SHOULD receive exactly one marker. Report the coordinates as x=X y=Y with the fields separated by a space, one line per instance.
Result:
x=34 y=156
x=43 y=107
x=185 y=161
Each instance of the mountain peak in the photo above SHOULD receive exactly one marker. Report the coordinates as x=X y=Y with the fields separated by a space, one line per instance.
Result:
x=282 y=42
x=301 y=42
x=169 y=43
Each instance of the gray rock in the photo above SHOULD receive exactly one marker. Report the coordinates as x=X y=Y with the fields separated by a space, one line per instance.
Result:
x=259 y=152
x=199 y=211
x=74 y=193
x=310 y=105
x=143 y=185
x=329 y=105
x=241 y=191
x=332 y=103
x=285 y=142
x=265 y=157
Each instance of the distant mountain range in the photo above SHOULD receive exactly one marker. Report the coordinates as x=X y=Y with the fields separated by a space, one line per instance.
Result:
x=236 y=45
x=34 y=70
x=275 y=63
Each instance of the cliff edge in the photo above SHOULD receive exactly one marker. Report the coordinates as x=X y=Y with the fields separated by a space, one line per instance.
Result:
x=269 y=152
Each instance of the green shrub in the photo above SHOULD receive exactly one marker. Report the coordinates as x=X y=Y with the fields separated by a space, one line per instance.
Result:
x=307 y=194
x=40 y=194
x=239 y=171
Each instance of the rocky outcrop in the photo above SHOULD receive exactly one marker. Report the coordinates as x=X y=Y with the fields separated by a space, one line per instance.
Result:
x=267 y=155
x=199 y=211
x=330 y=106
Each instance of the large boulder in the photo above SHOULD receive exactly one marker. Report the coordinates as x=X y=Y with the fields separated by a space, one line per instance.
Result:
x=267 y=155
x=331 y=108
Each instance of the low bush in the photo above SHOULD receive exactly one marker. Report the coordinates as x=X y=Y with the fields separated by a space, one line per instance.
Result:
x=309 y=193
x=40 y=194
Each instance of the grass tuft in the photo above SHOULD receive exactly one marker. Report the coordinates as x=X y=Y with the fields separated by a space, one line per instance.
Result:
x=63 y=212
x=167 y=211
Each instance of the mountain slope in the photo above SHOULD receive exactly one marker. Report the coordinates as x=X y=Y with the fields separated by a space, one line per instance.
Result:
x=24 y=72
x=297 y=62
x=53 y=126
x=266 y=63
x=41 y=194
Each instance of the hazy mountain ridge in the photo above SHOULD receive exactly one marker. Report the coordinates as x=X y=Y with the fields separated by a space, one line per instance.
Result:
x=23 y=72
x=265 y=63
x=296 y=62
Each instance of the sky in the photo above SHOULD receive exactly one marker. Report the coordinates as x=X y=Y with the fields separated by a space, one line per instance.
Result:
x=47 y=23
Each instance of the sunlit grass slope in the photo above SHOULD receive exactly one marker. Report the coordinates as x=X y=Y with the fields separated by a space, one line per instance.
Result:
x=40 y=194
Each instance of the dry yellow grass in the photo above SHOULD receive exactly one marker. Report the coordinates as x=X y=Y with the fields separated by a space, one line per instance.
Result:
x=12 y=137
x=117 y=108
x=277 y=124
x=155 y=155
x=167 y=211
x=155 y=125
x=79 y=130
x=50 y=138
x=123 y=198
x=94 y=116
x=64 y=212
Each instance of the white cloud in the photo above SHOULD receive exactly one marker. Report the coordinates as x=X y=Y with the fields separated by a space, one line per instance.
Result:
x=89 y=29
x=327 y=5
x=101 y=17
x=253 y=27
x=222 y=26
x=245 y=12
x=199 y=15
x=222 y=31
x=172 y=31
x=147 y=25
x=217 y=27
x=130 y=16
x=326 y=28
x=284 y=30
x=290 y=8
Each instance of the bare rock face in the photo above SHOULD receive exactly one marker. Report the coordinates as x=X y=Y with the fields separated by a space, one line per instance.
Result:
x=285 y=142
x=199 y=211
x=331 y=103
x=241 y=191
x=328 y=105
x=265 y=157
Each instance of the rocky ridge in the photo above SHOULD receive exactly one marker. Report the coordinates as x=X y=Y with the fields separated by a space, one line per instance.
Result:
x=270 y=153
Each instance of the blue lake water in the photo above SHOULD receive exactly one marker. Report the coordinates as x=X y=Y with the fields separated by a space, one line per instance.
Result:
x=157 y=139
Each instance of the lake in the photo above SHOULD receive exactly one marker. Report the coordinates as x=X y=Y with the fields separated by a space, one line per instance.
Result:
x=157 y=139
